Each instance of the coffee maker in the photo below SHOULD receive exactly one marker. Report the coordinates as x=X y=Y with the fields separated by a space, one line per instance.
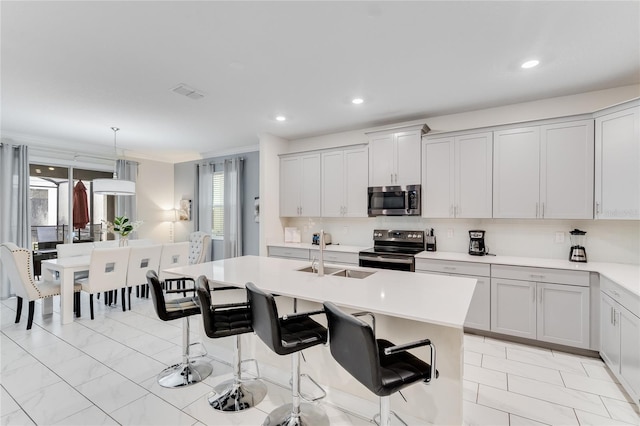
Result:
x=577 y=252
x=476 y=243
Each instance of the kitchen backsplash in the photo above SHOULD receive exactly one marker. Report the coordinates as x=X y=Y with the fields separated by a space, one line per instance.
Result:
x=606 y=241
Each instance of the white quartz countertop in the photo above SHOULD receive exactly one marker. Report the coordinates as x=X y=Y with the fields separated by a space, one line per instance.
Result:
x=427 y=298
x=627 y=276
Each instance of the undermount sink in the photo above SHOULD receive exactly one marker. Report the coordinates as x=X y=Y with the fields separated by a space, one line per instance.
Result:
x=339 y=272
x=351 y=273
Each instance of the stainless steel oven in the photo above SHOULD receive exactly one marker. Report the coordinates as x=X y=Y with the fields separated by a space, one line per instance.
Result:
x=394 y=200
x=393 y=249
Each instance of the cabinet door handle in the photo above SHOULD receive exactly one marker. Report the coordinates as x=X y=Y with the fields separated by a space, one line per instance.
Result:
x=450 y=268
x=391 y=177
x=451 y=210
x=542 y=215
x=396 y=177
x=615 y=293
x=615 y=317
x=539 y=276
x=597 y=207
x=611 y=319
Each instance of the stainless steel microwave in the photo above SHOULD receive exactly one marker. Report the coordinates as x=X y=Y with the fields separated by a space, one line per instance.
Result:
x=394 y=200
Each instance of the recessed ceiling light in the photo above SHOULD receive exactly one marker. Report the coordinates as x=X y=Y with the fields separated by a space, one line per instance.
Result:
x=357 y=101
x=52 y=168
x=280 y=118
x=38 y=171
x=530 y=64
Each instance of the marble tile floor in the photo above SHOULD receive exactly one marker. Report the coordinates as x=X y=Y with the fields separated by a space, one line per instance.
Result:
x=103 y=372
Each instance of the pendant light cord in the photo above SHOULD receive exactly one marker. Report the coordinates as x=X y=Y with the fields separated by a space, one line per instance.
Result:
x=115 y=153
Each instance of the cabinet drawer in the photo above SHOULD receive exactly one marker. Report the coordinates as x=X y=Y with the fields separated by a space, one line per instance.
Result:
x=336 y=256
x=453 y=267
x=289 y=252
x=620 y=295
x=560 y=276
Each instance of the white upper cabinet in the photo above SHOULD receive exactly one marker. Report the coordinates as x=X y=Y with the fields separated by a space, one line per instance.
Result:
x=344 y=183
x=394 y=156
x=617 y=165
x=544 y=171
x=300 y=185
x=566 y=170
x=516 y=173
x=457 y=176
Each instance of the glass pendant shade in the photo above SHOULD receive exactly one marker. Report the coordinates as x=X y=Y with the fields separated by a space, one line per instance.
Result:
x=114 y=186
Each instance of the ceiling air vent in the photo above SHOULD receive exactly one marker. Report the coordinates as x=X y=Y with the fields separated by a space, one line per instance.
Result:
x=189 y=92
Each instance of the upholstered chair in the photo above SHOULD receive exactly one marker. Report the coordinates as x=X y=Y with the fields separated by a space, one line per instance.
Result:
x=199 y=247
x=17 y=264
x=225 y=320
x=189 y=371
x=287 y=335
x=107 y=272
x=378 y=364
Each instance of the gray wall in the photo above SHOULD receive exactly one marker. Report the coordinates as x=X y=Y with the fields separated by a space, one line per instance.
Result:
x=184 y=181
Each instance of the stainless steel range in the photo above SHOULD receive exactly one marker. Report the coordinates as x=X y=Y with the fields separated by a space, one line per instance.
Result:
x=393 y=249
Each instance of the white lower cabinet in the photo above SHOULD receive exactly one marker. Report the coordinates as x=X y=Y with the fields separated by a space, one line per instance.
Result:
x=620 y=338
x=550 y=312
x=478 y=315
x=288 y=252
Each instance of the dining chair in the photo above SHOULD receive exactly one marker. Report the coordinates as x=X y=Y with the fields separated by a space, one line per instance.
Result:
x=17 y=264
x=141 y=242
x=107 y=271
x=173 y=256
x=77 y=249
x=199 y=247
x=141 y=259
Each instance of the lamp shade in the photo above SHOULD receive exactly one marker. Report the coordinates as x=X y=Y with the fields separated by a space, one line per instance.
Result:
x=114 y=187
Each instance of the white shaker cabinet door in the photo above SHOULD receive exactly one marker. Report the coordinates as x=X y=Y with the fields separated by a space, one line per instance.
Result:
x=382 y=160
x=473 y=175
x=617 y=180
x=516 y=173
x=438 y=178
x=355 y=182
x=630 y=350
x=408 y=167
x=563 y=314
x=290 y=172
x=609 y=332
x=513 y=307
x=332 y=183
x=310 y=186
x=566 y=175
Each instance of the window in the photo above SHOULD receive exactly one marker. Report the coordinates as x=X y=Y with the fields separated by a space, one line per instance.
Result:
x=217 y=218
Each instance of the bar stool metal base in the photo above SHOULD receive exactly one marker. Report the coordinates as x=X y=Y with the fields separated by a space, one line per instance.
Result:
x=310 y=415
x=182 y=374
x=232 y=396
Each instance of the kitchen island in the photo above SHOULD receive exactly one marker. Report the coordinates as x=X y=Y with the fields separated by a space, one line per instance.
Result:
x=408 y=307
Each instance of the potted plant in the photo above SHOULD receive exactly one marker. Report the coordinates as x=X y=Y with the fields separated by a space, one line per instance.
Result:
x=123 y=227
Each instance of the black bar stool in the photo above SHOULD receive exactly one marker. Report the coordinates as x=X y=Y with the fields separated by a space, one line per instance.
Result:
x=287 y=336
x=376 y=363
x=231 y=319
x=188 y=371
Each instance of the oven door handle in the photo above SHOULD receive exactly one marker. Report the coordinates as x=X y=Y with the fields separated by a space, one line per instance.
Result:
x=386 y=259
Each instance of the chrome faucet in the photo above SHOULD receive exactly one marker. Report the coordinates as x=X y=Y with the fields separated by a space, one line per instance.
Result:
x=321 y=257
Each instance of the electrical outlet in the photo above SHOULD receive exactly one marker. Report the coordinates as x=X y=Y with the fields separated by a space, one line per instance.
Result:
x=450 y=233
x=559 y=237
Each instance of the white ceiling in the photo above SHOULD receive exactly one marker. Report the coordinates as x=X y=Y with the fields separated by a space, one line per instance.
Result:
x=71 y=70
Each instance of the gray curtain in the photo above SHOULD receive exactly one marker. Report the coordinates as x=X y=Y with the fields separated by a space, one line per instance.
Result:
x=233 y=195
x=126 y=204
x=15 y=209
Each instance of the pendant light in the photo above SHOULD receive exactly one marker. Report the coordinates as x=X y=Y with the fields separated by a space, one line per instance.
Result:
x=114 y=186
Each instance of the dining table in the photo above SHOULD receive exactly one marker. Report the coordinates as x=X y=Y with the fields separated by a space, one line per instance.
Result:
x=63 y=270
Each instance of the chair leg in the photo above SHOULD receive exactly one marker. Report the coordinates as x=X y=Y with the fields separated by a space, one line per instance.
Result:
x=18 y=309
x=76 y=302
x=236 y=394
x=130 y=289
x=297 y=414
x=32 y=305
x=124 y=304
x=91 y=304
x=187 y=372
